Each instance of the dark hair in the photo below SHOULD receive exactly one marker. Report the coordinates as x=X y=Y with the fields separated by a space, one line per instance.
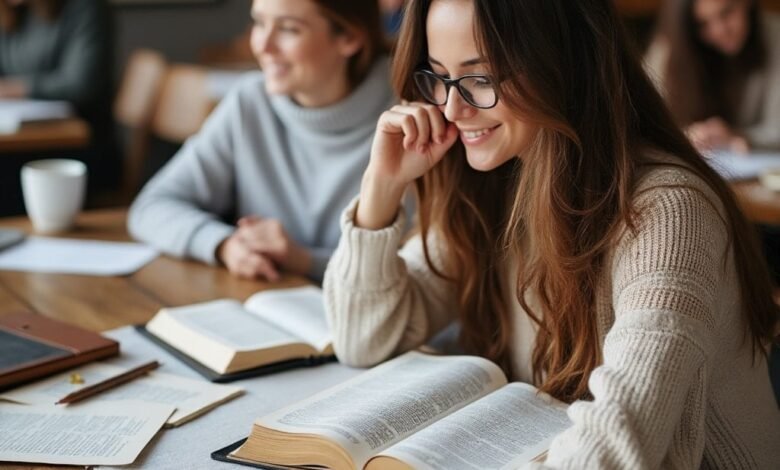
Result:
x=361 y=17
x=566 y=66
x=699 y=81
x=10 y=17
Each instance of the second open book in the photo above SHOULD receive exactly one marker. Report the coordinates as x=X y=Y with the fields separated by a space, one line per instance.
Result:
x=228 y=337
x=414 y=412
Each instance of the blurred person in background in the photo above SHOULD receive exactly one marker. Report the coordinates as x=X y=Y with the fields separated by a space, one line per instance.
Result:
x=718 y=64
x=392 y=14
x=284 y=152
x=62 y=50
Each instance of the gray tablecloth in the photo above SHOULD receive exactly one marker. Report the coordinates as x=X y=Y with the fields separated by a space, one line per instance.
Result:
x=190 y=445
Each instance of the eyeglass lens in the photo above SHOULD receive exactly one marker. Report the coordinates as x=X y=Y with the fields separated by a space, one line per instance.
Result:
x=477 y=91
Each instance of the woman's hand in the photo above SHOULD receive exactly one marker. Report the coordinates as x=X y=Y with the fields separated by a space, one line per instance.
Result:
x=259 y=248
x=12 y=88
x=410 y=139
x=715 y=134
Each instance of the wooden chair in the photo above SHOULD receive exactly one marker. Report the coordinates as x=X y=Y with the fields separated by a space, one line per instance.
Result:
x=235 y=54
x=184 y=103
x=134 y=108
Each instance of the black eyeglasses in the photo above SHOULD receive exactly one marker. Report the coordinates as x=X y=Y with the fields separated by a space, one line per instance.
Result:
x=476 y=90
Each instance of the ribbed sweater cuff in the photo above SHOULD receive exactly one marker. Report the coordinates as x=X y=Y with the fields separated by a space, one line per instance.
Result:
x=368 y=258
x=205 y=240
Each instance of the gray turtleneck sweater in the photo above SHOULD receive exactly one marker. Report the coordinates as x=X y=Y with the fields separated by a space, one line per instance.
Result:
x=260 y=154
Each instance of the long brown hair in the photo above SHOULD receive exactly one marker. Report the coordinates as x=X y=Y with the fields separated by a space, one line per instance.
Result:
x=10 y=16
x=360 y=17
x=699 y=81
x=564 y=65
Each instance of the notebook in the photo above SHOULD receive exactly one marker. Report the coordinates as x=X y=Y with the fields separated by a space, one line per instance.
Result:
x=33 y=346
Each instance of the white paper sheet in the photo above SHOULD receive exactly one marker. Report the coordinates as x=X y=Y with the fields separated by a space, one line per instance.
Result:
x=14 y=112
x=97 y=433
x=190 y=397
x=189 y=446
x=734 y=167
x=58 y=255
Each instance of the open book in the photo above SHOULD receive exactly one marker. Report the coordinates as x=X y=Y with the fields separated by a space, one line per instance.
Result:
x=271 y=327
x=414 y=412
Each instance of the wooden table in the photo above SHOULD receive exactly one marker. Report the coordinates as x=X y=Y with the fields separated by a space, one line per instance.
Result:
x=47 y=135
x=760 y=205
x=102 y=303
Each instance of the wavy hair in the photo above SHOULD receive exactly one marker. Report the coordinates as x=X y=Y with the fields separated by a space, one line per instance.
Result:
x=700 y=82
x=361 y=17
x=564 y=65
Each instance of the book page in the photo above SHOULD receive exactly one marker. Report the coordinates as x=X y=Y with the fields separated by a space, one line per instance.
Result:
x=300 y=311
x=190 y=397
x=369 y=413
x=97 y=433
x=503 y=430
x=227 y=322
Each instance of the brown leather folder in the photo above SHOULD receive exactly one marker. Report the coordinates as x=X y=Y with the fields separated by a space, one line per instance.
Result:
x=33 y=346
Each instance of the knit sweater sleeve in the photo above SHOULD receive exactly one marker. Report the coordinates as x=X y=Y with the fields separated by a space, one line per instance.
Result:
x=381 y=301
x=179 y=210
x=649 y=396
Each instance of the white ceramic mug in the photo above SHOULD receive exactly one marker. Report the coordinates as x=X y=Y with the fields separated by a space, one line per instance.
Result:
x=53 y=193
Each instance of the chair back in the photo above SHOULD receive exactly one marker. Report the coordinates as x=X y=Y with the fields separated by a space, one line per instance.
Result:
x=184 y=103
x=140 y=87
x=134 y=108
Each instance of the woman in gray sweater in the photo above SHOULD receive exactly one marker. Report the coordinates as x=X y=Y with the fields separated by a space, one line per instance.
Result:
x=284 y=151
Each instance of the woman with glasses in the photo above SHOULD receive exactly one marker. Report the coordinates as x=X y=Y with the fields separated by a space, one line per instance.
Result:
x=570 y=227
x=283 y=153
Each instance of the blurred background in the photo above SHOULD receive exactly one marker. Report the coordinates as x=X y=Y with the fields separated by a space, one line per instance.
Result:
x=140 y=76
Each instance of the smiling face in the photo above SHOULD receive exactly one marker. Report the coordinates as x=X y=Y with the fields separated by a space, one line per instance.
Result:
x=491 y=136
x=300 y=52
x=724 y=25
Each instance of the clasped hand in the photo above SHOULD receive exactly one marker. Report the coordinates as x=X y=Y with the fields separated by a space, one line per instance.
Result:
x=260 y=248
x=715 y=134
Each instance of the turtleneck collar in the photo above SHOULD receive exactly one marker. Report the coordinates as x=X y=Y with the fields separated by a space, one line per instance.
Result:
x=358 y=108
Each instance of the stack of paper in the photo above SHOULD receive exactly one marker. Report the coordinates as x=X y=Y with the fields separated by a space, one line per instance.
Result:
x=734 y=167
x=15 y=112
x=110 y=428
x=90 y=433
x=191 y=397
x=58 y=255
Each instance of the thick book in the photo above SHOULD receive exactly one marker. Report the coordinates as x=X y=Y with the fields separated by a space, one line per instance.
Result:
x=33 y=346
x=226 y=340
x=415 y=412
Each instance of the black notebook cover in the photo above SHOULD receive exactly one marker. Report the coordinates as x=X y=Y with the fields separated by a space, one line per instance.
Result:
x=244 y=374
x=15 y=350
x=222 y=456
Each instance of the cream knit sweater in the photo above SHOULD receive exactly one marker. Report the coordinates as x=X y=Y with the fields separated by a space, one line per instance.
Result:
x=677 y=388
